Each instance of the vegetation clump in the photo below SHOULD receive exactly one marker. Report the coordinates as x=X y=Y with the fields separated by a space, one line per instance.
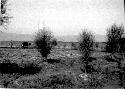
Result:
x=45 y=41
x=114 y=38
x=86 y=42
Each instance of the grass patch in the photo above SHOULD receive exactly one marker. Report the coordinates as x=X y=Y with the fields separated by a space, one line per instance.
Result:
x=48 y=81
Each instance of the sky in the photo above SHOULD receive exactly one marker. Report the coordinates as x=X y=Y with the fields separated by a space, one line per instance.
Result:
x=65 y=17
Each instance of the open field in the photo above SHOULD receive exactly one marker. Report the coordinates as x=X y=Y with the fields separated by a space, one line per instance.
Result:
x=23 y=68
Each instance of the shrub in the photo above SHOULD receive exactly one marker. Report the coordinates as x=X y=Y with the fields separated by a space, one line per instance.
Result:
x=86 y=46
x=44 y=41
x=114 y=35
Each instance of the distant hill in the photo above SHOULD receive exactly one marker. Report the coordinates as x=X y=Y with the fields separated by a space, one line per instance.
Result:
x=15 y=37
x=74 y=38
x=29 y=37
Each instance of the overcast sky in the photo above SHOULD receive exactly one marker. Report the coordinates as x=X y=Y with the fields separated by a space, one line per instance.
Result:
x=65 y=17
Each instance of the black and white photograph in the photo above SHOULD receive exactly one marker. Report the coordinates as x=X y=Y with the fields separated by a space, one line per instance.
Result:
x=62 y=44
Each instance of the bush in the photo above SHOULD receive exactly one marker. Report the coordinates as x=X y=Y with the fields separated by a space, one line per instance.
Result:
x=45 y=41
x=86 y=46
x=114 y=35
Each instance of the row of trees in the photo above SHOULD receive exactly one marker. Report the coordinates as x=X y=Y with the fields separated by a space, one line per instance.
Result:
x=45 y=41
